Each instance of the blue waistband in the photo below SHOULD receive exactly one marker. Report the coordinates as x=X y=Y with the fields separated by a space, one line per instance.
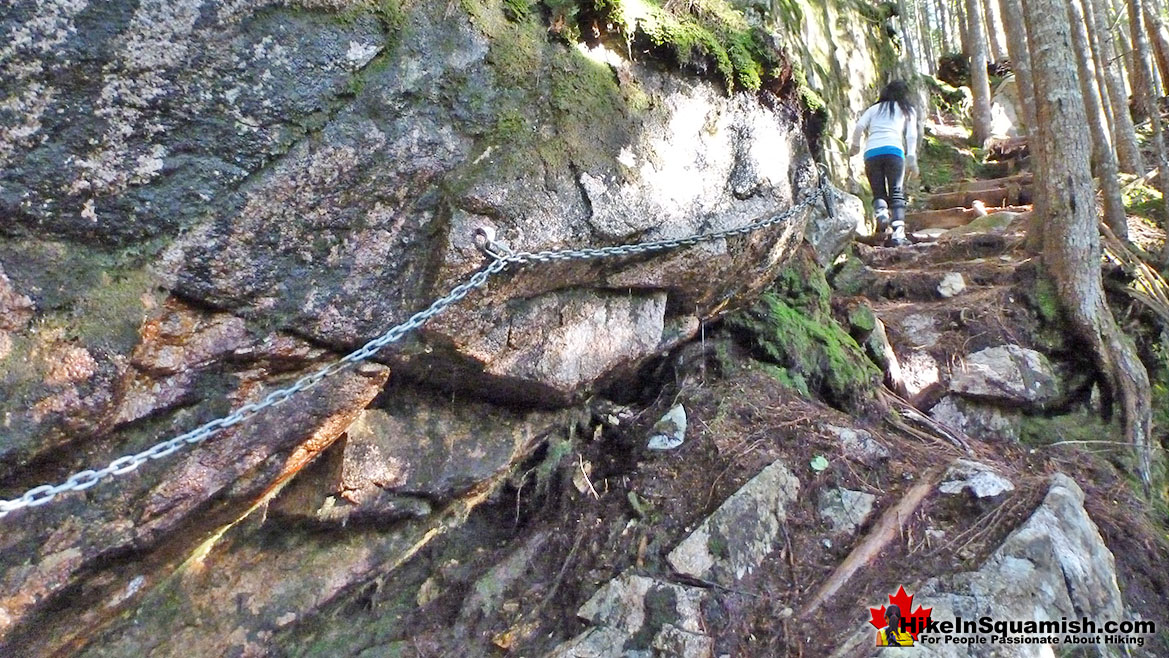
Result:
x=884 y=150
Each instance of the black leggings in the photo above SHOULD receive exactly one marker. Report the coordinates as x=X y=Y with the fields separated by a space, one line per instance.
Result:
x=885 y=174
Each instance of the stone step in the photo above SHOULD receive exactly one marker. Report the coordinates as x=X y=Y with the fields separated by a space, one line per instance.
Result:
x=967 y=247
x=951 y=217
x=929 y=283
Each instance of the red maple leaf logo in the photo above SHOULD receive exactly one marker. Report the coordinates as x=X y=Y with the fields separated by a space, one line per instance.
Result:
x=913 y=623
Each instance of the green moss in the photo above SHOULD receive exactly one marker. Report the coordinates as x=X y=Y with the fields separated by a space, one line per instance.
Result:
x=862 y=319
x=791 y=326
x=517 y=10
x=1046 y=300
x=1078 y=426
x=391 y=14
x=1142 y=199
x=943 y=163
x=792 y=380
x=717 y=544
x=699 y=35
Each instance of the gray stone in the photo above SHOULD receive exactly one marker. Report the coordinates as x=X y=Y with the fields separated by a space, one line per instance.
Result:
x=980 y=480
x=921 y=329
x=669 y=432
x=978 y=420
x=859 y=445
x=1054 y=566
x=419 y=444
x=632 y=616
x=844 y=510
x=1007 y=373
x=830 y=235
x=952 y=284
x=734 y=540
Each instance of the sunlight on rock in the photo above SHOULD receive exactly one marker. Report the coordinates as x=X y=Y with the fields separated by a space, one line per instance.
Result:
x=919 y=370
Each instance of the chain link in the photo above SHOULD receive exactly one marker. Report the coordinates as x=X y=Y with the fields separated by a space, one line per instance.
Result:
x=501 y=256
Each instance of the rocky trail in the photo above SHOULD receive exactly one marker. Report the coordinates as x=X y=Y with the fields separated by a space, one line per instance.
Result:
x=771 y=526
x=739 y=447
x=779 y=521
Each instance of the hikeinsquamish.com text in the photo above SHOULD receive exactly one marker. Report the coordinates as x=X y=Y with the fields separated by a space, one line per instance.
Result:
x=987 y=630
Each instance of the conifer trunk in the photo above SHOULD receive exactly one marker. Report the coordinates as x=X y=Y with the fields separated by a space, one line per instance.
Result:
x=979 y=80
x=1128 y=154
x=1071 y=252
x=1101 y=148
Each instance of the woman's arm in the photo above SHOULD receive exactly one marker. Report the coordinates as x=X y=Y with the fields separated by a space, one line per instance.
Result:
x=911 y=141
x=862 y=125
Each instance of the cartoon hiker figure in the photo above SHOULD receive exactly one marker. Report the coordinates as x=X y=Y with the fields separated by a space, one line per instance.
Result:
x=892 y=635
x=891 y=147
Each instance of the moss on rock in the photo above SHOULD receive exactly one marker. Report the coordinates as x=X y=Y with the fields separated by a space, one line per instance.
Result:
x=791 y=325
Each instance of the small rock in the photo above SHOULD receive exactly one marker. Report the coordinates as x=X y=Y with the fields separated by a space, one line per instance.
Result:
x=977 y=478
x=952 y=284
x=845 y=509
x=981 y=421
x=734 y=540
x=859 y=445
x=1007 y=373
x=670 y=431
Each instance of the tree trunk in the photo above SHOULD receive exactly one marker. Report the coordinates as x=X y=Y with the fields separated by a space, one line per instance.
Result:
x=1124 y=135
x=1101 y=148
x=921 y=16
x=963 y=23
x=1071 y=251
x=943 y=15
x=1160 y=41
x=907 y=35
x=1099 y=66
x=1012 y=13
x=1143 y=65
x=994 y=31
x=979 y=80
x=1127 y=50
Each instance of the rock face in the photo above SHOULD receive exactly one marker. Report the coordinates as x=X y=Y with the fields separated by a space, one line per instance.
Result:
x=205 y=200
x=1054 y=566
x=635 y=616
x=743 y=531
x=1009 y=374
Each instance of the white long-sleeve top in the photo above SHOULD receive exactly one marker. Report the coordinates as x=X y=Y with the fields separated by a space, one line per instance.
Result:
x=887 y=129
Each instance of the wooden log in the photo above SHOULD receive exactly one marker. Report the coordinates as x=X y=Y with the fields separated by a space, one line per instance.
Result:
x=951 y=217
x=973 y=185
x=1011 y=194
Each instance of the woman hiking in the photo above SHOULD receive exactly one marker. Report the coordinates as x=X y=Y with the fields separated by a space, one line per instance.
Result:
x=891 y=147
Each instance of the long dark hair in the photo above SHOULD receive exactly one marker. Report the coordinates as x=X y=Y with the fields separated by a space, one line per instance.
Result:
x=896 y=93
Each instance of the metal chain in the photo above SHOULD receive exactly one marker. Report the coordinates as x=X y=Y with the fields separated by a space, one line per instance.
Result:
x=501 y=256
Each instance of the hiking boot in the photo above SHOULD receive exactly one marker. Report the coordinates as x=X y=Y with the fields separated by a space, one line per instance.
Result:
x=898 y=238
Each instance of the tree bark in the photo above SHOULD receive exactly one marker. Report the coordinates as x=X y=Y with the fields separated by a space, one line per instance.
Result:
x=1099 y=66
x=994 y=31
x=1127 y=50
x=1160 y=41
x=1105 y=161
x=979 y=80
x=1143 y=65
x=943 y=16
x=1071 y=251
x=1123 y=133
x=963 y=29
x=1012 y=13
x=907 y=35
x=921 y=17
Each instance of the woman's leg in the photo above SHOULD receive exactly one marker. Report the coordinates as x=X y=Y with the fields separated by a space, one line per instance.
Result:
x=878 y=181
x=894 y=170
